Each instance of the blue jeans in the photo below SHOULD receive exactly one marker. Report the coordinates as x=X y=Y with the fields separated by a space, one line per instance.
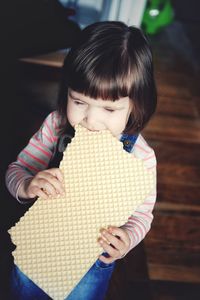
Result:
x=93 y=285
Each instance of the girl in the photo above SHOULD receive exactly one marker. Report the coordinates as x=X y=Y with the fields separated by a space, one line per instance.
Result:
x=108 y=84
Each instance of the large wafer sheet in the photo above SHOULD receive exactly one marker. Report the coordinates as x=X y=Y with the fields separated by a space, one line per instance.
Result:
x=57 y=238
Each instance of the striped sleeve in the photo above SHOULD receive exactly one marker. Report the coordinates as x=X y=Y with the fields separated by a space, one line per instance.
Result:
x=139 y=223
x=35 y=156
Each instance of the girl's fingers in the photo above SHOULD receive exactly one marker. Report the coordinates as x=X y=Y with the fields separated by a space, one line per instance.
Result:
x=37 y=192
x=45 y=184
x=49 y=189
x=47 y=178
x=120 y=232
x=114 y=253
x=56 y=173
x=115 y=241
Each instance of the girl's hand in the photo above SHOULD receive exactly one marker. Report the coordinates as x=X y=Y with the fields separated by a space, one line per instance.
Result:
x=115 y=241
x=45 y=184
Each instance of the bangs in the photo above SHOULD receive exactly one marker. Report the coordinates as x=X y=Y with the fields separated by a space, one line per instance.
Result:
x=102 y=77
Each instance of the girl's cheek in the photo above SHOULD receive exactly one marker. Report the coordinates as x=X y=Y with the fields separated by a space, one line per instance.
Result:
x=76 y=118
x=71 y=120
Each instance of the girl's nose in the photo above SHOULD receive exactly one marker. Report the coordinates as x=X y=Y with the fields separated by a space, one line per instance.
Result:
x=91 y=119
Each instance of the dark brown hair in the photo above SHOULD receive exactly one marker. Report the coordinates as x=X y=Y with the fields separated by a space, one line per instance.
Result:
x=111 y=61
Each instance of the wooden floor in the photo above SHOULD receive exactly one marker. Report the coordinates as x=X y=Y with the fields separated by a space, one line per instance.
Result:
x=173 y=245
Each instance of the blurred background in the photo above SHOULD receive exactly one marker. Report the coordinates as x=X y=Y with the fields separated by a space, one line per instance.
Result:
x=35 y=37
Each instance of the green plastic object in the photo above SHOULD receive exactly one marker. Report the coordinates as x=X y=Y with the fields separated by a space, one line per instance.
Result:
x=158 y=14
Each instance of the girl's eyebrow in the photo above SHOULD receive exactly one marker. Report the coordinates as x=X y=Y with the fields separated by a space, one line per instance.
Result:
x=76 y=98
x=73 y=96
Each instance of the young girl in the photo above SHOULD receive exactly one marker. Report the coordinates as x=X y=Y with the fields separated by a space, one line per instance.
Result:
x=108 y=84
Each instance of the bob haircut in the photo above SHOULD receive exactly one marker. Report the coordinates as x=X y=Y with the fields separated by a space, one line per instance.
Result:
x=109 y=61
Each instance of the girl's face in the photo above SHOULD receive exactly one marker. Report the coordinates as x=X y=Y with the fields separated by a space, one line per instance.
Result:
x=97 y=115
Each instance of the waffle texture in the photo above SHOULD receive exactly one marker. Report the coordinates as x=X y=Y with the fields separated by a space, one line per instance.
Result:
x=57 y=238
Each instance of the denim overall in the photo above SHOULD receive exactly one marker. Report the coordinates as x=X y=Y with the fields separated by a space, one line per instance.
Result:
x=94 y=284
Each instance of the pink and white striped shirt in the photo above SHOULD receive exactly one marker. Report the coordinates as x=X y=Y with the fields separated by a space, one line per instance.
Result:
x=40 y=150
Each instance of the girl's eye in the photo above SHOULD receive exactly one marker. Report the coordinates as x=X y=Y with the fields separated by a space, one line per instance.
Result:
x=78 y=102
x=109 y=110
